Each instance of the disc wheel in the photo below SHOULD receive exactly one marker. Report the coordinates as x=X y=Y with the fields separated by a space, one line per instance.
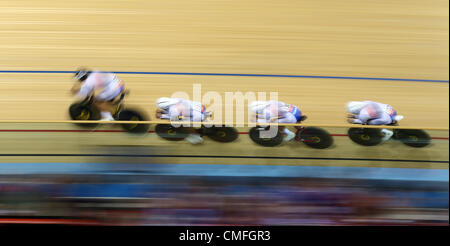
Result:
x=316 y=138
x=221 y=134
x=81 y=111
x=267 y=142
x=365 y=136
x=133 y=115
x=413 y=138
x=171 y=133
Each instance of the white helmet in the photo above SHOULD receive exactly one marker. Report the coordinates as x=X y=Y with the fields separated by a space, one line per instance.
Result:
x=355 y=107
x=166 y=102
x=258 y=106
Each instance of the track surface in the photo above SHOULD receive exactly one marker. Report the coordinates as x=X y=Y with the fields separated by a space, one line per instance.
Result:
x=340 y=51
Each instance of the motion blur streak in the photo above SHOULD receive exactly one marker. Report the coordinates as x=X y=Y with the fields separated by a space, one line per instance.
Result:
x=316 y=55
x=165 y=200
x=112 y=178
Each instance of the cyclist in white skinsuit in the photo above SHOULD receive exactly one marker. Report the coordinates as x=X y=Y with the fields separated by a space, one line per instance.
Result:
x=277 y=112
x=183 y=110
x=373 y=113
x=105 y=86
x=175 y=109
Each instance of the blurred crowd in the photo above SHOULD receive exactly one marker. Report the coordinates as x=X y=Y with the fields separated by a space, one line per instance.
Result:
x=165 y=200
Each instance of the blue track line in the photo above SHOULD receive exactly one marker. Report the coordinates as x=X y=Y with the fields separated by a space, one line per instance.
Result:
x=185 y=169
x=241 y=75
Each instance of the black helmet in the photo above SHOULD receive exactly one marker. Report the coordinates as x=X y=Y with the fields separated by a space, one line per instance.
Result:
x=82 y=74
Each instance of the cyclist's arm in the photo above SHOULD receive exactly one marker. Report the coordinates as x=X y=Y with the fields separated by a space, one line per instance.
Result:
x=356 y=121
x=85 y=90
x=75 y=88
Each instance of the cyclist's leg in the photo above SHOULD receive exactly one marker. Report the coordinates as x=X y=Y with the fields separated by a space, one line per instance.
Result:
x=288 y=118
x=104 y=103
x=194 y=137
x=384 y=119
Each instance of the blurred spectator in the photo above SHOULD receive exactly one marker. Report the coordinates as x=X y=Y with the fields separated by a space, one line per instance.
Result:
x=118 y=200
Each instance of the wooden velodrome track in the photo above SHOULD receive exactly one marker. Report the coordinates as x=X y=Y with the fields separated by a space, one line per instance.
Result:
x=337 y=41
